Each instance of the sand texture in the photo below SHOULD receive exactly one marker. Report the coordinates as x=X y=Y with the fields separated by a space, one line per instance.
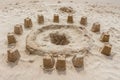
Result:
x=96 y=66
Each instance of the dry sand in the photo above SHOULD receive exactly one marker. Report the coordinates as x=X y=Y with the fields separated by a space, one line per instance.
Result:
x=97 y=66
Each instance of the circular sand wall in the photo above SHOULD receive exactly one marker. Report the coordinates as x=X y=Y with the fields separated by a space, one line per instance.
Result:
x=57 y=39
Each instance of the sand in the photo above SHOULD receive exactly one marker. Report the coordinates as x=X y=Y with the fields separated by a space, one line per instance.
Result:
x=30 y=67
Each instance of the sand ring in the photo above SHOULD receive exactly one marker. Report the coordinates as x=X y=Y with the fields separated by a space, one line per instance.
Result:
x=57 y=39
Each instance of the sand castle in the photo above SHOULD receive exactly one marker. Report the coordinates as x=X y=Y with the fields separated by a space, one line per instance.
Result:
x=48 y=61
x=11 y=38
x=70 y=19
x=83 y=20
x=28 y=23
x=78 y=61
x=96 y=27
x=13 y=55
x=59 y=40
x=56 y=18
x=40 y=19
x=61 y=63
x=106 y=50
x=105 y=37
x=18 y=29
